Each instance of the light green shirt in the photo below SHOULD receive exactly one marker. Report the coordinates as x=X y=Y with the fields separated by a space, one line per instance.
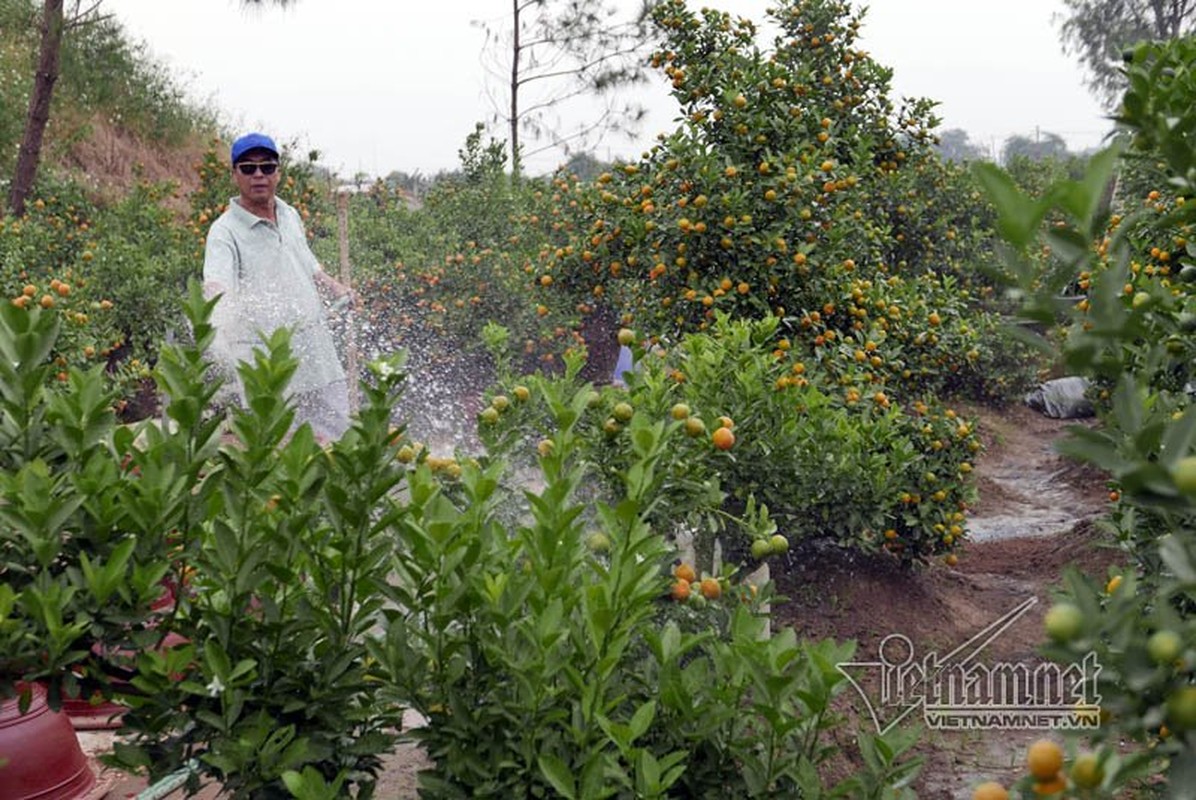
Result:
x=266 y=274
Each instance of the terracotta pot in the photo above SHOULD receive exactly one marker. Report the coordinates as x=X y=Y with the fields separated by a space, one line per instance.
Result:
x=40 y=757
x=89 y=714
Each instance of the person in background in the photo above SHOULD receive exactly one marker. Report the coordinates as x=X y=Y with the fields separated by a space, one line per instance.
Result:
x=258 y=260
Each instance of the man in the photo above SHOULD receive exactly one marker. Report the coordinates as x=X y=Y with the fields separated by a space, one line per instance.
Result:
x=258 y=260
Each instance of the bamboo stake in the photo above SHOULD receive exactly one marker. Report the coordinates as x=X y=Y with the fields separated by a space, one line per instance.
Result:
x=342 y=219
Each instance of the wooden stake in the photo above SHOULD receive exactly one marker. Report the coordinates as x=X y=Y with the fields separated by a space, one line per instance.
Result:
x=342 y=219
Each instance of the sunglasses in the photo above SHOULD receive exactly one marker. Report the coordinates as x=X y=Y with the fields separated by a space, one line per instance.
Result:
x=250 y=167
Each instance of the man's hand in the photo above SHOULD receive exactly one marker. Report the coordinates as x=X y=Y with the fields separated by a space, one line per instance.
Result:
x=342 y=295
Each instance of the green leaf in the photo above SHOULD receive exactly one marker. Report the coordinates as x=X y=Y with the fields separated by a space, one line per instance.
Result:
x=641 y=720
x=1018 y=217
x=559 y=775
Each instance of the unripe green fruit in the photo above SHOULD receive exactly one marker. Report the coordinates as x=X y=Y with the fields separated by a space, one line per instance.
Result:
x=1164 y=647
x=1063 y=622
x=1181 y=708
x=761 y=548
x=598 y=542
x=1184 y=474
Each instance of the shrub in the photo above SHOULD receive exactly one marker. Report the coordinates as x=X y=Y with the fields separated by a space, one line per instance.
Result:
x=548 y=659
x=1128 y=333
x=793 y=187
x=863 y=470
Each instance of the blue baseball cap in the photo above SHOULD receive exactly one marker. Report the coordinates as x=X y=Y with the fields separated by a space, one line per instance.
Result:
x=252 y=141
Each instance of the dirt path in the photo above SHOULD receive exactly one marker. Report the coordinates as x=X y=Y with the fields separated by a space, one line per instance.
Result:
x=1025 y=487
x=1034 y=517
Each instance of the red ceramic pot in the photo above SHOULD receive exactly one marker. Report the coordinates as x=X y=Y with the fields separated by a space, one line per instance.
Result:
x=40 y=757
x=95 y=713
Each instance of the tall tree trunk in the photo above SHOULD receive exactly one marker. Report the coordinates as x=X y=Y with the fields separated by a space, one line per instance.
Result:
x=515 y=52
x=30 y=154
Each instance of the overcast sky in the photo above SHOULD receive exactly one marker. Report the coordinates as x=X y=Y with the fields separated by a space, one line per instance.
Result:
x=381 y=85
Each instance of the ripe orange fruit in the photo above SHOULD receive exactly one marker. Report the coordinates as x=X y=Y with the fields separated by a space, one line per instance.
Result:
x=711 y=589
x=1113 y=584
x=1044 y=759
x=680 y=591
x=685 y=572
x=47 y=301
x=723 y=439
x=990 y=791
x=1053 y=786
x=726 y=422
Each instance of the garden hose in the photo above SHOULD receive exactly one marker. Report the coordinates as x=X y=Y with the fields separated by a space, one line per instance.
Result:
x=171 y=782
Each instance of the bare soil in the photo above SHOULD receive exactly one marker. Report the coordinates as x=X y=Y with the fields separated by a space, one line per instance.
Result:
x=1033 y=518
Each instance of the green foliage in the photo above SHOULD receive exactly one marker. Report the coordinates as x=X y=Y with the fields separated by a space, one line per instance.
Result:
x=113 y=274
x=793 y=185
x=1130 y=333
x=88 y=508
x=104 y=76
x=548 y=663
x=104 y=72
x=861 y=472
x=1099 y=32
x=282 y=573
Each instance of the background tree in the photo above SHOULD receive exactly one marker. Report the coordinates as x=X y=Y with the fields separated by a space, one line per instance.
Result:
x=53 y=25
x=548 y=52
x=954 y=145
x=1036 y=148
x=1099 y=31
x=585 y=166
